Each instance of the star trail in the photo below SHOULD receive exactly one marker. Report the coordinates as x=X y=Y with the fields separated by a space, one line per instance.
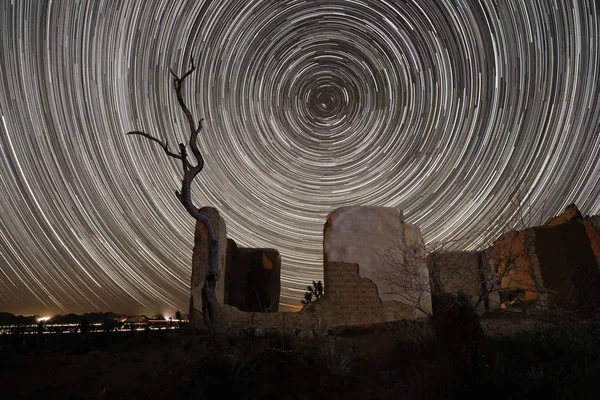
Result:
x=461 y=112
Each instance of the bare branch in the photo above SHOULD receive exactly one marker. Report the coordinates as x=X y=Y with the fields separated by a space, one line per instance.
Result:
x=162 y=144
x=190 y=70
x=194 y=129
x=210 y=305
x=186 y=110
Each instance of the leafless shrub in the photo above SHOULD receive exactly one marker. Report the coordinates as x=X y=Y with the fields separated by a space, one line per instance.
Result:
x=337 y=356
x=503 y=272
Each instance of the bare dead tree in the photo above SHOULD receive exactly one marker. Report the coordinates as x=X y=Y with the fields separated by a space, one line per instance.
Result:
x=210 y=308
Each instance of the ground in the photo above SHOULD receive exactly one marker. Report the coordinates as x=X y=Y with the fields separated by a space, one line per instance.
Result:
x=389 y=361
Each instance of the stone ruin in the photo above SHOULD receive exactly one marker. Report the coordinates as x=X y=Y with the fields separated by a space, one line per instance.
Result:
x=249 y=278
x=548 y=266
x=253 y=278
x=354 y=239
x=554 y=264
x=356 y=242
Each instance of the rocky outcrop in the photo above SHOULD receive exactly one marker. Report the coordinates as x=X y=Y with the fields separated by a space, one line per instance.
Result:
x=386 y=250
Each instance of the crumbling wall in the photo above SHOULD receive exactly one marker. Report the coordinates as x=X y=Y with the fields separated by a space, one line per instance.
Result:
x=253 y=278
x=568 y=265
x=351 y=298
x=455 y=272
x=200 y=261
x=382 y=244
x=552 y=265
x=592 y=229
x=511 y=256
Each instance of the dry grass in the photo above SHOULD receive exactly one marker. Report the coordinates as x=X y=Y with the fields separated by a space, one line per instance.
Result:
x=553 y=360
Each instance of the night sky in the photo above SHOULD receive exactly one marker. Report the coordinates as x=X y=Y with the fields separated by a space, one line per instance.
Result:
x=454 y=110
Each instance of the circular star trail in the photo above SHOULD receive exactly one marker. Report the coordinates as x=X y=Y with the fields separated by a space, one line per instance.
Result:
x=462 y=113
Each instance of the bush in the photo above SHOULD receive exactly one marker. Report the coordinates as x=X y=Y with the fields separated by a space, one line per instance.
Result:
x=337 y=357
x=458 y=330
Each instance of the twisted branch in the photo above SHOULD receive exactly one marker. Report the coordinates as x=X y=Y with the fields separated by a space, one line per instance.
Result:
x=209 y=300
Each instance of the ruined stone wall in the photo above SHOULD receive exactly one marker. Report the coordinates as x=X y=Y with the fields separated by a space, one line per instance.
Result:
x=510 y=252
x=454 y=272
x=592 y=229
x=354 y=300
x=383 y=245
x=569 y=265
x=552 y=265
x=200 y=260
x=253 y=278
x=350 y=298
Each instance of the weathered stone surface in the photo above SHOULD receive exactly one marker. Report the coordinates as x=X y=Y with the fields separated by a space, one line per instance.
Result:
x=366 y=236
x=353 y=300
x=571 y=213
x=253 y=278
x=517 y=267
x=556 y=264
x=568 y=265
x=200 y=261
x=454 y=272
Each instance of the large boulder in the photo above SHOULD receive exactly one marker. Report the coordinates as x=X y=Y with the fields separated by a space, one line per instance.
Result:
x=386 y=250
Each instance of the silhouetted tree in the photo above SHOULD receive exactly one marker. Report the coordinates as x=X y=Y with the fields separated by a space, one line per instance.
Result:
x=210 y=306
x=315 y=290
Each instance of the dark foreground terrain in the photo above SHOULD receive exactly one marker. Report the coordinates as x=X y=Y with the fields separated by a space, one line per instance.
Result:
x=394 y=361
